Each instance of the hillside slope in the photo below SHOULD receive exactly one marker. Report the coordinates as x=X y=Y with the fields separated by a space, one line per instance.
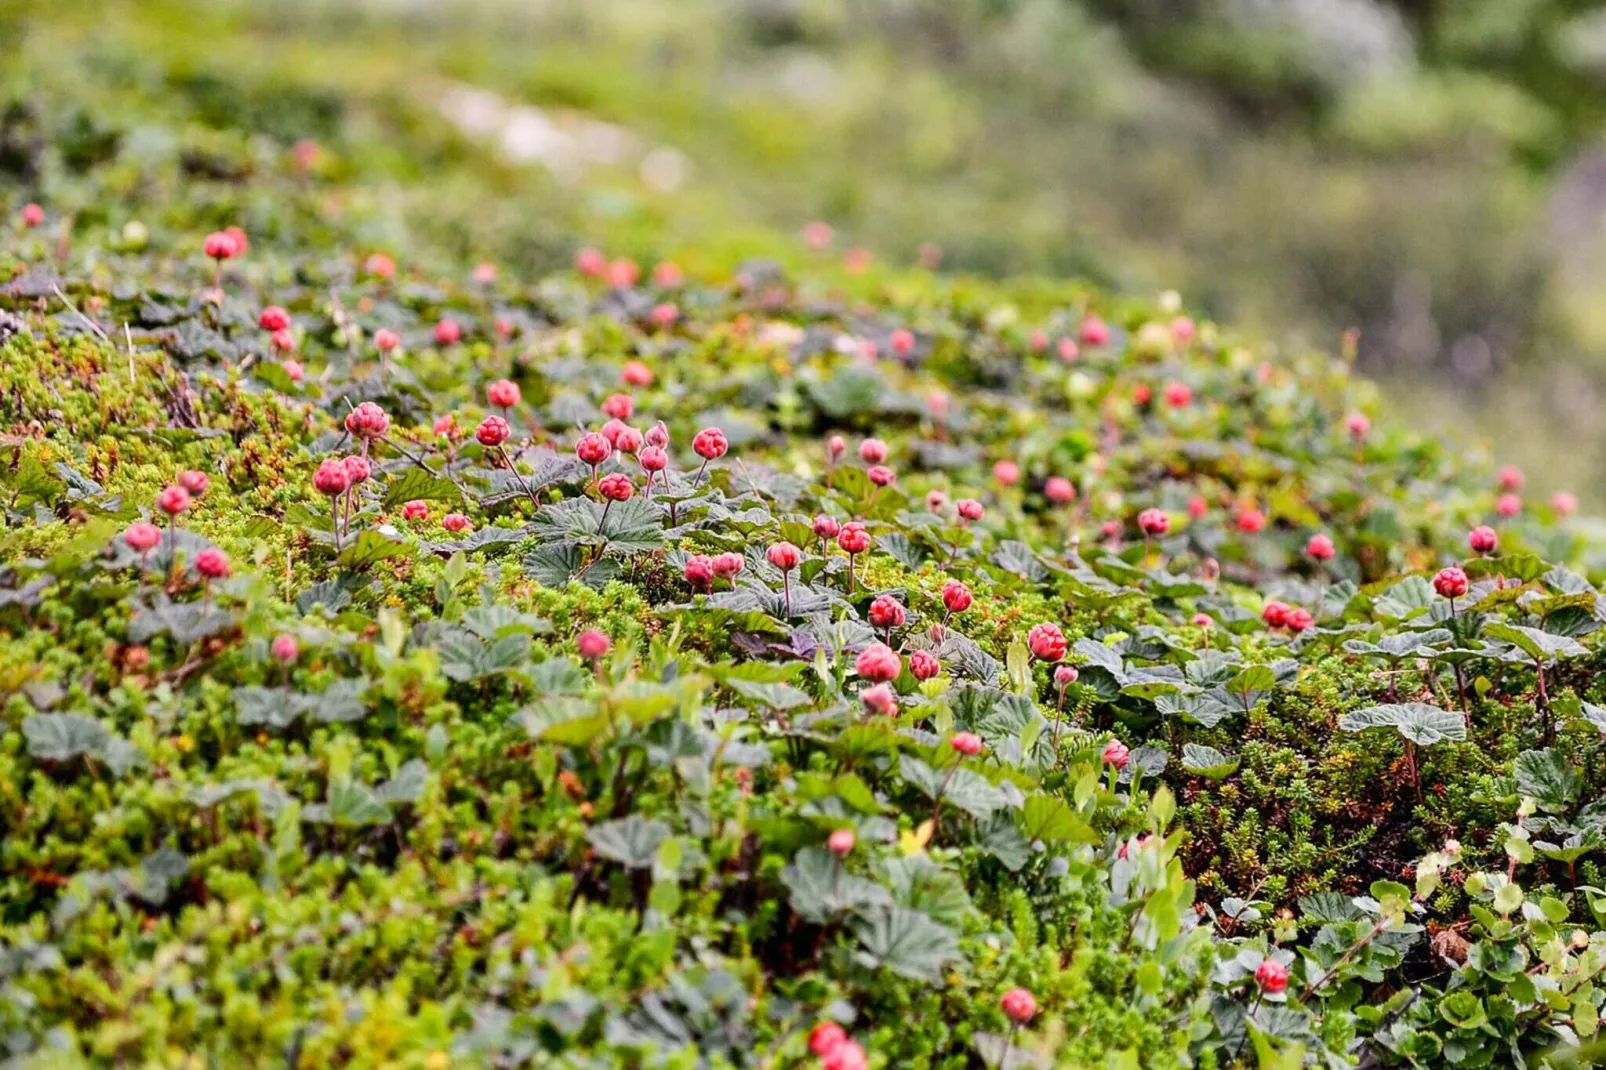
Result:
x=411 y=658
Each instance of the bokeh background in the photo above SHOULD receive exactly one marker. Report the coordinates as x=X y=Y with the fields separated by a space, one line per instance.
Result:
x=1431 y=174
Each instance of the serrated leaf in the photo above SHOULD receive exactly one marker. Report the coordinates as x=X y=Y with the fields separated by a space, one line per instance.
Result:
x=1417 y=721
x=632 y=841
x=906 y=942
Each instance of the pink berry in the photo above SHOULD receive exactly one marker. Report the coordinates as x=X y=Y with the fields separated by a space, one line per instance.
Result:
x=699 y=572
x=623 y=273
x=873 y=451
x=1183 y=329
x=710 y=443
x=1508 y=505
x=653 y=459
x=825 y=1036
x=902 y=342
x=194 y=482
x=380 y=266
x=619 y=406
x=32 y=215
x=616 y=487
x=924 y=664
x=836 y=446
x=447 y=332
x=1046 y=642
x=592 y=448
x=284 y=342
x=456 y=523
x=666 y=275
x=784 y=556
x=1116 y=753
x=485 y=273
x=1275 y=614
x=879 y=663
x=445 y=425
x=840 y=843
x=880 y=699
x=1358 y=425
x=969 y=509
x=1059 y=490
x=887 y=612
x=493 y=431
x=273 y=318
x=1197 y=507
x=367 y=420
x=1271 y=976
x=1154 y=522
x=663 y=315
x=728 y=564
x=591 y=262
x=966 y=743
x=1068 y=351
x=386 y=340
x=853 y=538
x=504 y=393
x=1320 y=547
x=826 y=527
x=881 y=475
x=173 y=500
x=284 y=648
x=1007 y=473
x=627 y=440
x=1095 y=332
x=1299 y=619
x=1483 y=539
x=1510 y=477
x=657 y=435
x=1019 y=1005
x=936 y=498
x=357 y=469
x=956 y=597
x=593 y=644
x=415 y=509
x=1066 y=675
x=142 y=537
x=1038 y=340
x=817 y=235
x=635 y=373
x=331 y=479
x=1564 y=502
x=1142 y=395
x=1450 y=582
x=1177 y=394
x=1251 y=520
x=844 y=1056
x=1202 y=620
x=221 y=246
x=212 y=563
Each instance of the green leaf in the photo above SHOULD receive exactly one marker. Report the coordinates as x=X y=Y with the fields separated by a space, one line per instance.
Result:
x=1208 y=762
x=372 y=546
x=1051 y=819
x=1416 y=721
x=632 y=841
x=906 y=942
x=820 y=887
x=1547 y=778
x=415 y=484
x=60 y=737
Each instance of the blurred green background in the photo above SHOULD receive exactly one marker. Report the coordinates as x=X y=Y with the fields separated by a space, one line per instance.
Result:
x=1429 y=172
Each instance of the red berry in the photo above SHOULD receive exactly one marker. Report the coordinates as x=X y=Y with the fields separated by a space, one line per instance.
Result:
x=1094 y=331
x=664 y=315
x=817 y=235
x=1178 y=394
x=1197 y=507
x=591 y=262
x=456 y=523
x=886 y=612
x=493 y=431
x=728 y=564
x=1483 y=539
x=969 y=509
x=415 y=509
x=853 y=538
x=194 y=482
x=1358 y=424
x=385 y=339
x=710 y=443
x=592 y=448
x=221 y=246
x=1320 y=547
x=966 y=743
x=1116 y=753
x=699 y=572
x=872 y=451
x=623 y=272
x=1510 y=477
x=380 y=266
x=881 y=475
x=667 y=275
x=1275 y=614
x=840 y=844
x=142 y=536
x=635 y=373
x=173 y=500
x=956 y=597
x=784 y=556
x=1059 y=490
x=447 y=332
x=879 y=663
x=619 y=406
x=880 y=699
x=1271 y=976
x=284 y=648
x=1046 y=642
x=1508 y=505
x=924 y=664
x=653 y=459
x=331 y=479
x=1450 y=582
x=1019 y=1005
x=1154 y=522
x=1564 y=502
x=1007 y=473
x=504 y=393
x=826 y=1035
x=902 y=342
x=616 y=487
x=273 y=318
x=212 y=563
x=367 y=420
x=1251 y=520
x=32 y=215
x=826 y=527
x=593 y=644
x=357 y=469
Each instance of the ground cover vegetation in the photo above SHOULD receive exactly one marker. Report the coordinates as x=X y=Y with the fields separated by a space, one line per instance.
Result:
x=414 y=658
